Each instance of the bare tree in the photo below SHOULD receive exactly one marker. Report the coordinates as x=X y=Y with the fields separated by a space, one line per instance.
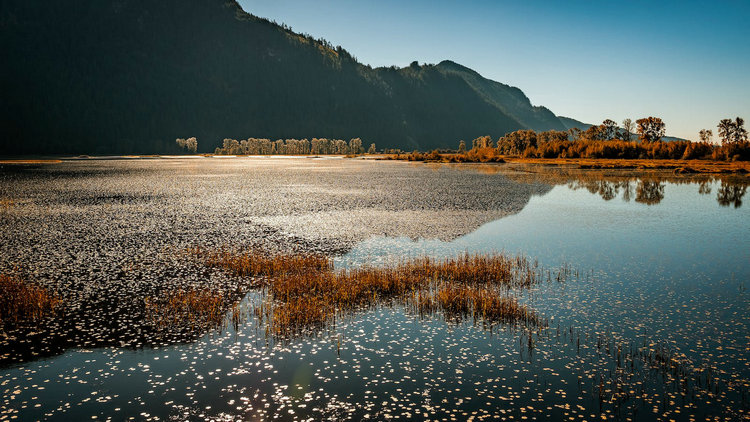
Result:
x=372 y=149
x=627 y=129
x=705 y=135
x=462 y=146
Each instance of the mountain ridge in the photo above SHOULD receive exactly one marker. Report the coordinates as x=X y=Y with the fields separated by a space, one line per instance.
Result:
x=130 y=76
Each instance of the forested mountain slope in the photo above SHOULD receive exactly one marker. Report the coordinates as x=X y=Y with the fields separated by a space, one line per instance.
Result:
x=130 y=76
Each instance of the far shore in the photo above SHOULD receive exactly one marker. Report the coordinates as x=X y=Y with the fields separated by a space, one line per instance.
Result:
x=677 y=166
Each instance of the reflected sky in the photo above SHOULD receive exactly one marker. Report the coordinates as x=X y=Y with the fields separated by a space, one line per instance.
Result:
x=673 y=273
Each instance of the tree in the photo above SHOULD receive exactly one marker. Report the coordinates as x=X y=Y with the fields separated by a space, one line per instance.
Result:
x=190 y=144
x=705 y=135
x=740 y=133
x=627 y=129
x=372 y=149
x=732 y=132
x=575 y=133
x=725 y=130
x=650 y=129
x=609 y=129
x=462 y=146
x=355 y=146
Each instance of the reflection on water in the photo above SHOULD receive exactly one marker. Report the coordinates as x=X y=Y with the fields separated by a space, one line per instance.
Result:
x=646 y=187
x=669 y=277
x=651 y=192
x=670 y=262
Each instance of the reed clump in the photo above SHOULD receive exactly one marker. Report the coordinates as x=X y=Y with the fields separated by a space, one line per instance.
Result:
x=6 y=204
x=193 y=307
x=306 y=292
x=22 y=301
x=254 y=263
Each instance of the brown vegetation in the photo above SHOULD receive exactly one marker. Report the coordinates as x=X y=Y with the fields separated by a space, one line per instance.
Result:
x=6 y=204
x=599 y=142
x=22 y=301
x=194 y=308
x=307 y=293
x=677 y=166
x=30 y=161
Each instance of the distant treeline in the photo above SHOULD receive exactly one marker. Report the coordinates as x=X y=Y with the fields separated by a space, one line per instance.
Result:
x=255 y=146
x=607 y=140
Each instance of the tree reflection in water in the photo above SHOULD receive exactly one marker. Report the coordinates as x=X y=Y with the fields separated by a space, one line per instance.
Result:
x=649 y=189
x=730 y=193
x=645 y=187
x=649 y=192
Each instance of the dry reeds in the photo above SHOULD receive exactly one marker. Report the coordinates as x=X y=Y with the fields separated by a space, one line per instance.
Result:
x=6 y=204
x=254 y=263
x=22 y=301
x=190 y=307
x=307 y=293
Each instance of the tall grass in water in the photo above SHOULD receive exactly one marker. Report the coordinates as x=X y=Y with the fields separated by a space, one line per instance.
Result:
x=22 y=301
x=255 y=263
x=192 y=307
x=307 y=293
x=6 y=204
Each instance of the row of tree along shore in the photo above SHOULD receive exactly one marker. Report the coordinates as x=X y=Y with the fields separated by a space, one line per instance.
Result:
x=317 y=146
x=608 y=141
x=639 y=140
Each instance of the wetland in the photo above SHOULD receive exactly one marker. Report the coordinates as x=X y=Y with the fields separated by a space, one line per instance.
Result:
x=308 y=288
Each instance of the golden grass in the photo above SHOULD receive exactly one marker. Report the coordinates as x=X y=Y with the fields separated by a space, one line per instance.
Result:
x=6 y=204
x=307 y=293
x=22 y=301
x=193 y=307
x=678 y=166
x=684 y=166
x=30 y=161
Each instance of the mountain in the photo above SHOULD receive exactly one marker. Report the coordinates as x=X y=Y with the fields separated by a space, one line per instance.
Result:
x=130 y=76
x=573 y=123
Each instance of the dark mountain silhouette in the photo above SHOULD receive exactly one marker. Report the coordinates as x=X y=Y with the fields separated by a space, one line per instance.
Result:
x=130 y=76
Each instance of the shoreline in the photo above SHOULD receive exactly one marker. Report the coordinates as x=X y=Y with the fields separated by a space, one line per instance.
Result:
x=677 y=166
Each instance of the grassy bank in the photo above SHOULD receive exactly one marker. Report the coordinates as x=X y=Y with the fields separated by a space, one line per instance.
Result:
x=677 y=166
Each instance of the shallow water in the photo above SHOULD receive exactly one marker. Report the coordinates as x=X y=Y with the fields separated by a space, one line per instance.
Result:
x=671 y=273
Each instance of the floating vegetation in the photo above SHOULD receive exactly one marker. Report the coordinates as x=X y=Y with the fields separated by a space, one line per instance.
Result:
x=657 y=332
x=306 y=292
x=22 y=301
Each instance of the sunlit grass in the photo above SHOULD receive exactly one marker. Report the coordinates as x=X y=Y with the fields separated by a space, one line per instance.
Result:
x=193 y=307
x=306 y=292
x=22 y=301
x=6 y=204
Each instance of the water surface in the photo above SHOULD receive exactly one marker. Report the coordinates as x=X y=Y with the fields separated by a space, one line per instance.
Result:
x=662 y=262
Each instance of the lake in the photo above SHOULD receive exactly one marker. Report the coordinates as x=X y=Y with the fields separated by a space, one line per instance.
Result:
x=651 y=321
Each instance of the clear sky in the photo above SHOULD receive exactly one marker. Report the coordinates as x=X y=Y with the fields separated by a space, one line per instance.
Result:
x=687 y=62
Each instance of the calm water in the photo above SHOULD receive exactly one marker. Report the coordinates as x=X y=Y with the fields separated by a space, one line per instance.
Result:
x=671 y=274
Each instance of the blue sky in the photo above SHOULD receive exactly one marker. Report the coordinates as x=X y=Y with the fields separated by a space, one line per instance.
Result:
x=687 y=62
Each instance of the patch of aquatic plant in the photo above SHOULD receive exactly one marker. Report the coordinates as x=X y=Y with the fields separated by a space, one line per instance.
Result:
x=192 y=307
x=307 y=293
x=254 y=263
x=6 y=204
x=23 y=301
